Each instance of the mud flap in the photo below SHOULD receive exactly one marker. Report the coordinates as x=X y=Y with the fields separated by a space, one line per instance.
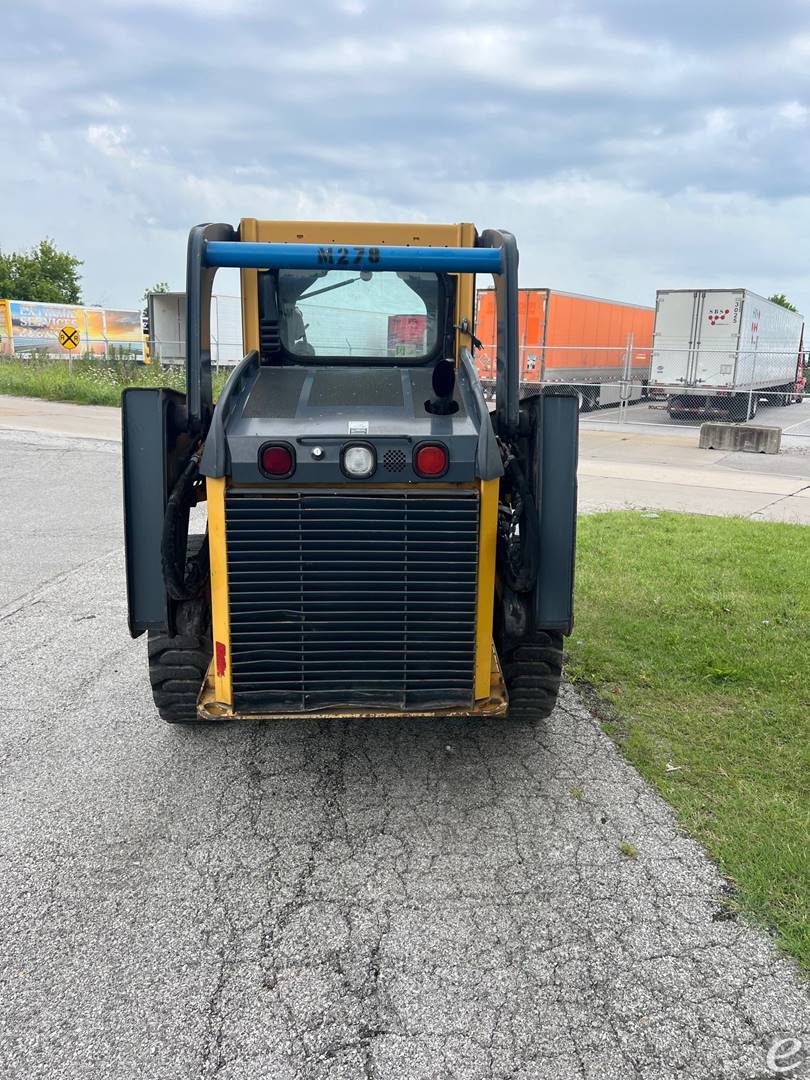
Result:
x=555 y=434
x=154 y=444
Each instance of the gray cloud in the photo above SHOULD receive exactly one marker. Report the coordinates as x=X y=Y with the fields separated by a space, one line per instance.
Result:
x=630 y=145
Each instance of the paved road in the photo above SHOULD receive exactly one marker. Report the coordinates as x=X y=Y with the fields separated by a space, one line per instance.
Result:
x=61 y=508
x=634 y=467
x=620 y=465
x=330 y=901
x=59 y=418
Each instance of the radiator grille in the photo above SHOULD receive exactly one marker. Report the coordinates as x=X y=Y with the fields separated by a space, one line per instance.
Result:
x=352 y=600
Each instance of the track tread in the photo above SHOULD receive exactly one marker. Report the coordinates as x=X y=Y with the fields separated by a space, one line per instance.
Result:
x=178 y=664
x=174 y=687
x=533 y=672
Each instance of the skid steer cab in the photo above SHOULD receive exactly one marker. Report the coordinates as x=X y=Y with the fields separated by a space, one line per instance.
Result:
x=378 y=544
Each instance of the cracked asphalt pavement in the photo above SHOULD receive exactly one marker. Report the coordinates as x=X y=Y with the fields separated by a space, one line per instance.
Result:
x=305 y=901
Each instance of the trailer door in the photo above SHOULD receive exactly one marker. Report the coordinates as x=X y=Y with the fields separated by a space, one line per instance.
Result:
x=675 y=337
x=718 y=334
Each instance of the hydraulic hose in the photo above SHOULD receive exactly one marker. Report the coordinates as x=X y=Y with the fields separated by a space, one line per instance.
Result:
x=520 y=539
x=185 y=578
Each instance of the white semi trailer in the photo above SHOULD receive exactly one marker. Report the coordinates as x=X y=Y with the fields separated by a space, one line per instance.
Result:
x=166 y=318
x=716 y=351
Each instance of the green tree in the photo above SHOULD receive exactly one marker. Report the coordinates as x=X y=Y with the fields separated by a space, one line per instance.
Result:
x=782 y=300
x=160 y=287
x=44 y=273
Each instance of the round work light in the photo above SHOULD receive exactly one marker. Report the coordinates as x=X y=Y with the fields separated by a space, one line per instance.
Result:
x=359 y=461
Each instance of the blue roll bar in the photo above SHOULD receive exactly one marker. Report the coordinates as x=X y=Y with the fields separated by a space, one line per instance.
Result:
x=214 y=245
x=487 y=260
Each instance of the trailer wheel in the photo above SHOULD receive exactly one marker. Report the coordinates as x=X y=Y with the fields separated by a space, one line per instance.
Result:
x=533 y=671
x=743 y=407
x=178 y=663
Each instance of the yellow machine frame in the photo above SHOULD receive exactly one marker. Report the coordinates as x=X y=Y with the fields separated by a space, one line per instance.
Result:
x=216 y=697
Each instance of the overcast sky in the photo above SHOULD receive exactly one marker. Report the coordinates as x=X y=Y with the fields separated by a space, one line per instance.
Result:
x=630 y=145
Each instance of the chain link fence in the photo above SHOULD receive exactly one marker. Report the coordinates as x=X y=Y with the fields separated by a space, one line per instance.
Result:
x=616 y=384
x=624 y=383
x=674 y=386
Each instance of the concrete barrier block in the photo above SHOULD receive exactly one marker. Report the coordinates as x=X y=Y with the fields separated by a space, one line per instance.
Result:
x=747 y=437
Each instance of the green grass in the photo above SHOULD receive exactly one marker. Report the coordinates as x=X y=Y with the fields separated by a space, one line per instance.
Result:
x=696 y=631
x=88 y=381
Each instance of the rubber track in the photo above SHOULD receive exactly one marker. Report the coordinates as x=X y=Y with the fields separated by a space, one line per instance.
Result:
x=533 y=671
x=177 y=665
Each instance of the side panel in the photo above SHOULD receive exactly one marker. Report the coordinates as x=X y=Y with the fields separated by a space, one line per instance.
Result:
x=569 y=338
x=146 y=432
x=555 y=474
x=587 y=338
x=220 y=605
x=770 y=339
x=487 y=541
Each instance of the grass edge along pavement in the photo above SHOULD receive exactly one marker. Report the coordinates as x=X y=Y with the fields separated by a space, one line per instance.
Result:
x=695 y=631
x=89 y=381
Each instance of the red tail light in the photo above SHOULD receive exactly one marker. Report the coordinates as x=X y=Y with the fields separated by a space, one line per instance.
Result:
x=431 y=459
x=277 y=460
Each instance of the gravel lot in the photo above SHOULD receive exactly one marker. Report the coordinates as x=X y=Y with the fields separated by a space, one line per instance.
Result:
x=398 y=901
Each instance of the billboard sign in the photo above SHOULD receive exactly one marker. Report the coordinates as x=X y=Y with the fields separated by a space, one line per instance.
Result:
x=35 y=327
x=60 y=330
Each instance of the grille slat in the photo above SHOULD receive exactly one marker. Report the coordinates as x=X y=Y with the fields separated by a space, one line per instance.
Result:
x=324 y=626
x=340 y=600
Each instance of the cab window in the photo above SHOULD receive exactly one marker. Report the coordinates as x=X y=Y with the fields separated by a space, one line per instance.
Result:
x=345 y=314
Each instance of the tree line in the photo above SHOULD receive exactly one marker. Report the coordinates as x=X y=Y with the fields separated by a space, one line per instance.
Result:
x=43 y=273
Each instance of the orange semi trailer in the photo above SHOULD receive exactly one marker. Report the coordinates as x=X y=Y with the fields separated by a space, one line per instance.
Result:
x=602 y=347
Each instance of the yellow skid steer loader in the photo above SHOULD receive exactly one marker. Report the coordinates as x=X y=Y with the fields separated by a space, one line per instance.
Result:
x=379 y=543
